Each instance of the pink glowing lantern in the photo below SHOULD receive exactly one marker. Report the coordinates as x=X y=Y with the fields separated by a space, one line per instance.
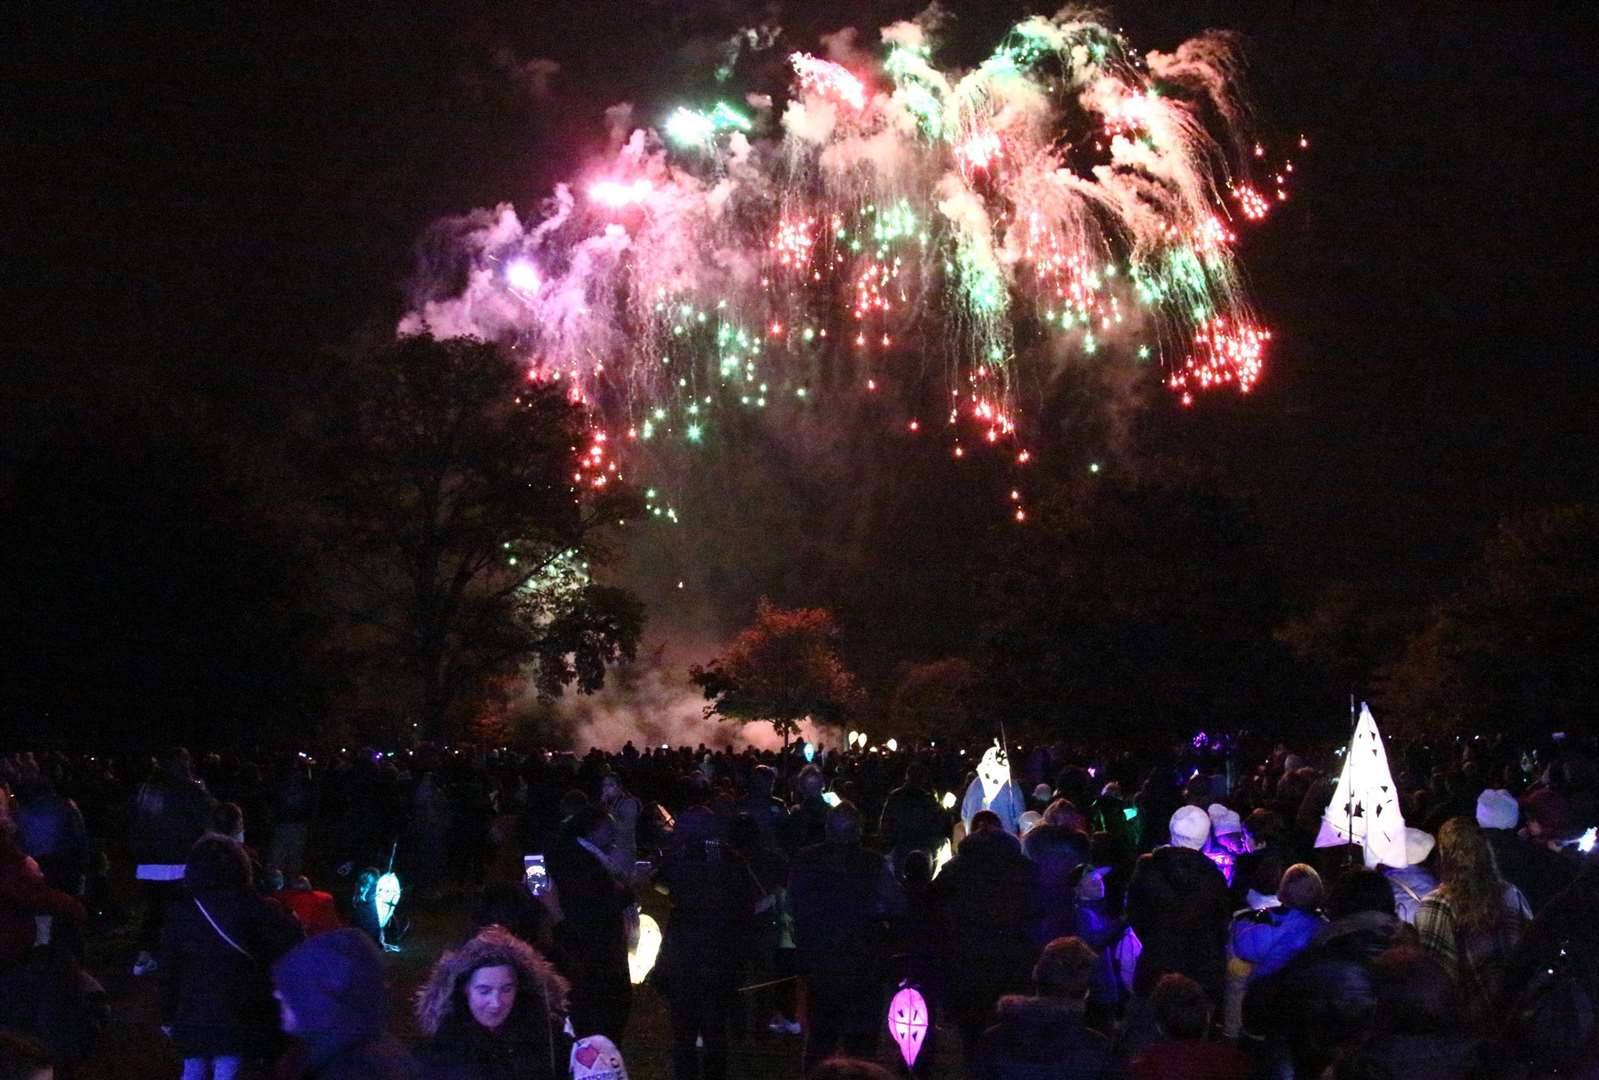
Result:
x=907 y=1022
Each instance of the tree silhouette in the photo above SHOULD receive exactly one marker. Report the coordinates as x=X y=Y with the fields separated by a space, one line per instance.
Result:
x=459 y=511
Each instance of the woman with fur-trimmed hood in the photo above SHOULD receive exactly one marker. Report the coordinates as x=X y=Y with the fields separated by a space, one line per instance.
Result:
x=493 y=1009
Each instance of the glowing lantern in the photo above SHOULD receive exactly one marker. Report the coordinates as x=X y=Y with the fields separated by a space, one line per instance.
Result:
x=949 y=800
x=1028 y=821
x=892 y=745
x=1365 y=806
x=594 y=1057
x=641 y=958
x=809 y=751
x=386 y=897
x=907 y=1022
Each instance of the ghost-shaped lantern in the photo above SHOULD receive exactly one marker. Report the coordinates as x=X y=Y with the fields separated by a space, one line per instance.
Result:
x=908 y=1022
x=993 y=790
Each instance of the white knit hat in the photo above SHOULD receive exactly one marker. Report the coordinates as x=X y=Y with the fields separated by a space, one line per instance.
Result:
x=1418 y=845
x=1190 y=828
x=1224 y=820
x=1497 y=809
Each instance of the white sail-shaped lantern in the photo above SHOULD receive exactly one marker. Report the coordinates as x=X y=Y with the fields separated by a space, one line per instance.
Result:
x=1365 y=808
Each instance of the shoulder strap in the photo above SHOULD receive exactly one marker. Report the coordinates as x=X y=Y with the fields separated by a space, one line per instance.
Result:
x=221 y=933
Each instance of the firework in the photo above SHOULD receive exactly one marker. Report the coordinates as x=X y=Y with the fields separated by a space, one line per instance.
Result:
x=1066 y=197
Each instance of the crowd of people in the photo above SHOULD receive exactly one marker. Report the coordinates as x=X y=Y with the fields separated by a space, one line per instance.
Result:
x=1060 y=912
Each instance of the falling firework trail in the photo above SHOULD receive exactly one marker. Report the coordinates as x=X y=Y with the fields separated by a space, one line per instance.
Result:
x=892 y=221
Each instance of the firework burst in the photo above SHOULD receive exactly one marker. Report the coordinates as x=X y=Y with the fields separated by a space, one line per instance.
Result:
x=890 y=222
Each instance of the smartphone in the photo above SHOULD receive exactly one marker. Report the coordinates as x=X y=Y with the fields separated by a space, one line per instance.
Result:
x=534 y=876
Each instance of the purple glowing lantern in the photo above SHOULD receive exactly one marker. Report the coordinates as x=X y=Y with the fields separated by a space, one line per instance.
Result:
x=907 y=1022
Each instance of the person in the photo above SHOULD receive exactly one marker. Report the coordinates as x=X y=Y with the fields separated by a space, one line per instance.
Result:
x=493 y=1009
x=1044 y=1037
x=593 y=934
x=332 y=1000
x=1522 y=860
x=988 y=900
x=43 y=992
x=1183 y=1011
x=840 y=894
x=1178 y=905
x=1413 y=880
x=216 y=1001
x=1061 y=851
x=1268 y=939
x=171 y=810
x=625 y=811
x=767 y=811
x=912 y=820
x=1416 y=1031
x=713 y=904
x=806 y=823
x=1474 y=920
x=23 y=1059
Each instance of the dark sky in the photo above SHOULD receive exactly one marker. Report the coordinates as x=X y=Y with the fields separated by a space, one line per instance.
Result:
x=197 y=196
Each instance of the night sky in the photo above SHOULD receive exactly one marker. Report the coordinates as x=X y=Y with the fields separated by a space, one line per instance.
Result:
x=202 y=200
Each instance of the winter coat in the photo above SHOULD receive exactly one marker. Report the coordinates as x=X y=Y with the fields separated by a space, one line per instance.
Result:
x=593 y=934
x=313 y=909
x=988 y=903
x=840 y=895
x=1269 y=939
x=1041 y=1038
x=334 y=985
x=217 y=1000
x=1539 y=873
x=713 y=900
x=1178 y=905
x=1060 y=854
x=1410 y=884
x=170 y=812
x=529 y=1045
x=24 y=896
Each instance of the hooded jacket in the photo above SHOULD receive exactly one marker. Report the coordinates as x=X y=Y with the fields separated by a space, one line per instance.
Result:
x=1041 y=1038
x=528 y=1046
x=334 y=984
x=1178 y=905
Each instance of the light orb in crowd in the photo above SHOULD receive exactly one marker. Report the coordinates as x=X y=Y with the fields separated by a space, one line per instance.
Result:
x=1028 y=821
x=1585 y=844
x=948 y=801
x=641 y=958
x=809 y=750
x=831 y=798
x=892 y=745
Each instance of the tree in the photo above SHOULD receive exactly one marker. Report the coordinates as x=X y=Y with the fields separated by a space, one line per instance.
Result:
x=933 y=700
x=459 y=510
x=1513 y=650
x=782 y=669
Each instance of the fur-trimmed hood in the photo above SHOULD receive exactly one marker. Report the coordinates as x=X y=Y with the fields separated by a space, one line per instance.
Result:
x=493 y=946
